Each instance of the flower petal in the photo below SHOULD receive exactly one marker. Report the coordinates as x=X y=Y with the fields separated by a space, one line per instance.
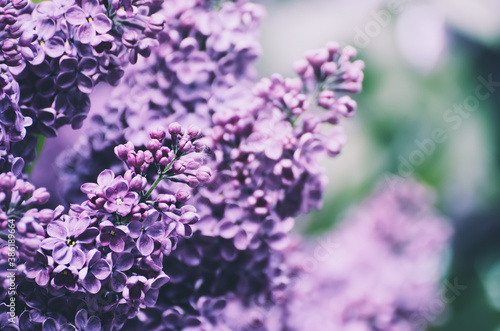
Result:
x=76 y=16
x=145 y=244
x=62 y=254
x=86 y=33
x=105 y=177
x=102 y=23
x=91 y=284
x=57 y=229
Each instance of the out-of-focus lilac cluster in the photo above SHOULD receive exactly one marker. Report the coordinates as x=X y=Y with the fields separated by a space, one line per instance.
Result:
x=379 y=270
x=52 y=54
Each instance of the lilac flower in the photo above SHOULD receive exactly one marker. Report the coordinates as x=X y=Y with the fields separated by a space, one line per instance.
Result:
x=95 y=271
x=90 y=18
x=77 y=71
x=84 y=323
x=112 y=236
x=118 y=197
x=147 y=232
x=103 y=180
x=65 y=276
x=119 y=264
x=136 y=288
x=66 y=240
x=40 y=268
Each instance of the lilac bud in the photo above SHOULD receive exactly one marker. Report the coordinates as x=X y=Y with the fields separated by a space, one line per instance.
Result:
x=300 y=66
x=333 y=48
x=194 y=131
x=154 y=145
x=189 y=218
x=317 y=57
x=135 y=159
x=199 y=146
x=148 y=157
x=138 y=183
x=121 y=151
x=203 y=174
x=7 y=181
x=41 y=196
x=26 y=189
x=326 y=99
x=158 y=133
x=182 y=196
x=346 y=106
x=329 y=68
x=349 y=52
x=185 y=145
x=179 y=166
x=155 y=23
x=45 y=215
x=174 y=129
x=19 y=4
x=193 y=182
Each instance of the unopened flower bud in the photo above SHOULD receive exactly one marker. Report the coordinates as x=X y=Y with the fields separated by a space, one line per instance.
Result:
x=203 y=174
x=182 y=196
x=158 y=133
x=174 y=129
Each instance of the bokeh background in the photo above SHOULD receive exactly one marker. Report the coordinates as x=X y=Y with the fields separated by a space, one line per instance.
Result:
x=425 y=61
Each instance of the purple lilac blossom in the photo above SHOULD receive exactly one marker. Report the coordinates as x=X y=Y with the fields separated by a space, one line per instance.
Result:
x=238 y=117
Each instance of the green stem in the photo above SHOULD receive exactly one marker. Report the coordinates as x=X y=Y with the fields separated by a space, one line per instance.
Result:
x=151 y=189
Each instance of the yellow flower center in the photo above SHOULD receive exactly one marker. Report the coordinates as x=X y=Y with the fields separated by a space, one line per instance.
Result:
x=70 y=242
x=112 y=232
x=119 y=201
x=90 y=19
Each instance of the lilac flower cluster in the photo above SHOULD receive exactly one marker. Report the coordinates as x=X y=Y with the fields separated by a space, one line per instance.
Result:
x=52 y=54
x=266 y=143
x=379 y=270
x=188 y=225
x=112 y=244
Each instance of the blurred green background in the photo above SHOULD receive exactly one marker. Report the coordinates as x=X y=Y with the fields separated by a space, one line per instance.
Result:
x=425 y=64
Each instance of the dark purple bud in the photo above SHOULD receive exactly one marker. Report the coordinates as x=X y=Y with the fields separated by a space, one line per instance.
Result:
x=182 y=196
x=174 y=129
x=158 y=133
